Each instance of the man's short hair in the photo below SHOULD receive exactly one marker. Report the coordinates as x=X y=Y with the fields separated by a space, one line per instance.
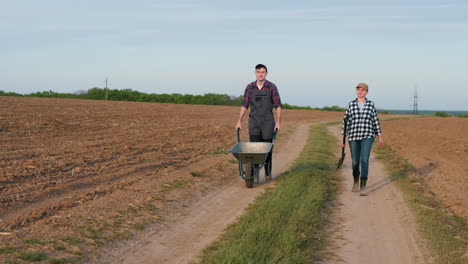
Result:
x=259 y=66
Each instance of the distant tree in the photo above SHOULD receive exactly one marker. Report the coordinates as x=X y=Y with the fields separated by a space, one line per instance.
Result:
x=81 y=92
x=97 y=93
x=236 y=100
x=334 y=108
x=442 y=114
x=3 y=93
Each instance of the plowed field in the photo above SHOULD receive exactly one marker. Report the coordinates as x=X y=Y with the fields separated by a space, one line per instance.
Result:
x=71 y=168
x=438 y=148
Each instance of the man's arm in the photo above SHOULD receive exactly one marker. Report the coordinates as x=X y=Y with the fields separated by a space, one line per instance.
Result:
x=276 y=100
x=245 y=105
x=241 y=115
x=278 y=118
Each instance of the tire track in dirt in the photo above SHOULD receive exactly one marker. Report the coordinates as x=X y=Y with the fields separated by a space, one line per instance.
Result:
x=378 y=228
x=206 y=220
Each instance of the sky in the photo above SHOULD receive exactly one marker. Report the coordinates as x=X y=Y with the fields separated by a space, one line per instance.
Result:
x=316 y=51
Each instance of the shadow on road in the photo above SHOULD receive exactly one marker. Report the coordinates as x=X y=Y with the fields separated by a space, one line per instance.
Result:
x=378 y=185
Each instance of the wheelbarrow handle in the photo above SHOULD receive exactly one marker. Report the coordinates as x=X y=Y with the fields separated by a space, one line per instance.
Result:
x=274 y=134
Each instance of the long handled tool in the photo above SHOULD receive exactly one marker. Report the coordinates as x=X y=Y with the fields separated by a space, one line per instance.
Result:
x=343 y=152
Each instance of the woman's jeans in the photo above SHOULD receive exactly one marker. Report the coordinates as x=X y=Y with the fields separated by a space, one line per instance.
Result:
x=360 y=152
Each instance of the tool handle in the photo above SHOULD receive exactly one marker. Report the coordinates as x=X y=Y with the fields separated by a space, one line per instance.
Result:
x=344 y=128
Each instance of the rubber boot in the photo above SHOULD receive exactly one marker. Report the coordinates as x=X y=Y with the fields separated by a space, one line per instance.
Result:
x=355 y=185
x=363 y=184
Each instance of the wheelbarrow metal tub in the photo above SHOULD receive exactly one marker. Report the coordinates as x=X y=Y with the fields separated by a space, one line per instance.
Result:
x=252 y=158
x=254 y=152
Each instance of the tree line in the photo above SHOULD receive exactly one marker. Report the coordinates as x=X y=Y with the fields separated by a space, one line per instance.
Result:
x=97 y=93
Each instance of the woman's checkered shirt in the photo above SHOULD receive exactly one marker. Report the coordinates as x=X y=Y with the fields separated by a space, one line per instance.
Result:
x=361 y=123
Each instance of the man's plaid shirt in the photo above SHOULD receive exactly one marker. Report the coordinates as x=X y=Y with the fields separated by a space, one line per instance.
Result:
x=361 y=123
x=275 y=97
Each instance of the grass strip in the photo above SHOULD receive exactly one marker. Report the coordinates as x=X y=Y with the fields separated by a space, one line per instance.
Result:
x=286 y=223
x=446 y=234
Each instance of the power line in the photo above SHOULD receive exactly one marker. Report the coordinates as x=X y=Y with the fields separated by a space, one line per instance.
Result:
x=106 y=89
x=415 y=101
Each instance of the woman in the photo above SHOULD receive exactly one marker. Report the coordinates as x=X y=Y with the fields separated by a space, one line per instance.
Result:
x=361 y=128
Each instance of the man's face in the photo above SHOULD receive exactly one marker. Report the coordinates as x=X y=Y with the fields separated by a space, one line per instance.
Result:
x=361 y=92
x=261 y=74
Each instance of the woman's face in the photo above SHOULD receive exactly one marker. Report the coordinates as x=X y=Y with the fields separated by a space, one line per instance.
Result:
x=361 y=92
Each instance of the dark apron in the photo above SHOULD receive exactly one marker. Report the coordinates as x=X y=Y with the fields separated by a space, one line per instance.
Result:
x=261 y=120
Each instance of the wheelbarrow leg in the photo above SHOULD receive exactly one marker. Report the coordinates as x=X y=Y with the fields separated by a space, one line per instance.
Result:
x=249 y=175
x=268 y=171
x=257 y=172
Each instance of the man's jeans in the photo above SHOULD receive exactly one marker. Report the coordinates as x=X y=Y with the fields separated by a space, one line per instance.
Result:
x=360 y=152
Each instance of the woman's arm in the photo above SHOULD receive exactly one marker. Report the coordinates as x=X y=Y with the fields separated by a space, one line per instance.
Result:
x=377 y=128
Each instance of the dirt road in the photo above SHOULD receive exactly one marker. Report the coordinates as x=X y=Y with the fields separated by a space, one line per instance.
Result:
x=207 y=219
x=377 y=228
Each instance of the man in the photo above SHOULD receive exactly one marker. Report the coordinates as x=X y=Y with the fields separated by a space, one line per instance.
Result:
x=261 y=95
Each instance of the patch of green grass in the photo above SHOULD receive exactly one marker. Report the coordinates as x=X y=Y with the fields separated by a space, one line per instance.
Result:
x=446 y=234
x=58 y=260
x=32 y=256
x=219 y=150
x=117 y=223
x=174 y=185
x=149 y=207
x=197 y=174
x=34 y=241
x=179 y=184
x=139 y=226
x=70 y=240
x=120 y=235
x=90 y=232
x=59 y=247
x=132 y=208
x=285 y=224
x=7 y=250
x=459 y=219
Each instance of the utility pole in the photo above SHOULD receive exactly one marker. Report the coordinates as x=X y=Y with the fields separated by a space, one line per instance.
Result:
x=106 y=89
x=415 y=101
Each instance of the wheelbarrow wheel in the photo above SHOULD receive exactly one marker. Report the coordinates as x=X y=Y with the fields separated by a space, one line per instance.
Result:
x=268 y=169
x=249 y=174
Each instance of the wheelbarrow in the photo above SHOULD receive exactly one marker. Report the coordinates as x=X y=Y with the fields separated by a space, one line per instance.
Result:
x=252 y=158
